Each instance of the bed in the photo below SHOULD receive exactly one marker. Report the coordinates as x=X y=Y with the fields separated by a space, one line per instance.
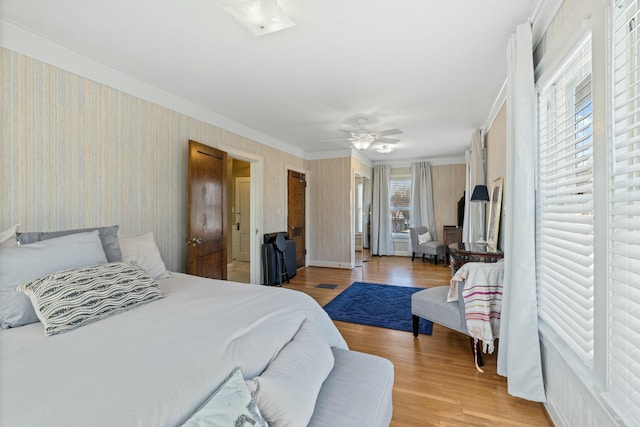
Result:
x=164 y=362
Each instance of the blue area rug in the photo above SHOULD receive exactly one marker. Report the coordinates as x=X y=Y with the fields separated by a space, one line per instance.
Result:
x=373 y=304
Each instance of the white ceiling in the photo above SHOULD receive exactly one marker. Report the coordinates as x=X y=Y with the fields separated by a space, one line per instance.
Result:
x=430 y=68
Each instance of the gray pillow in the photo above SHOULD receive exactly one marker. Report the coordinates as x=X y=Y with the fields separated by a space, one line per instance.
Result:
x=108 y=238
x=24 y=263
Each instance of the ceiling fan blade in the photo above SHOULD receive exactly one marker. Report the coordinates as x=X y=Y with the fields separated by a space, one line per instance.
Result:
x=387 y=140
x=388 y=132
x=343 y=139
x=349 y=131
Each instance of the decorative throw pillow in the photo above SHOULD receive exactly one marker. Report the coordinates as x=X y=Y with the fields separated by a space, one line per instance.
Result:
x=27 y=262
x=108 y=238
x=230 y=405
x=288 y=389
x=143 y=250
x=424 y=238
x=72 y=298
x=8 y=237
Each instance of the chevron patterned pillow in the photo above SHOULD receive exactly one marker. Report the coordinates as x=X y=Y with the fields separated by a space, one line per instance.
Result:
x=68 y=299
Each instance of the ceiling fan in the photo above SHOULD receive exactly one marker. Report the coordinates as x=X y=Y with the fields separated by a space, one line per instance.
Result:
x=362 y=138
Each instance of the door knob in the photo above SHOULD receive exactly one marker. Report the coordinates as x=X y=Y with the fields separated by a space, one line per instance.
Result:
x=194 y=241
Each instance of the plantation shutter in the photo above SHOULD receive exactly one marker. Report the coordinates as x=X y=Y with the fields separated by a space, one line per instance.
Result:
x=623 y=302
x=564 y=252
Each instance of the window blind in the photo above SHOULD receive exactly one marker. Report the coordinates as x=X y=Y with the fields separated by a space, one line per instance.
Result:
x=564 y=253
x=400 y=201
x=623 y=299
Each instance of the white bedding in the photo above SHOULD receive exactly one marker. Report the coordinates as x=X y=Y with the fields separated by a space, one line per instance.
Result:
x=153 y=365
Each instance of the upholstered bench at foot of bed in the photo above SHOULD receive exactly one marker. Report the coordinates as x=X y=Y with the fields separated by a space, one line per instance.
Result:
x=357 y=392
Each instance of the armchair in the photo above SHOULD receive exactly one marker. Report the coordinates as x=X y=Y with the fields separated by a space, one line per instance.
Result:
x=434 y=248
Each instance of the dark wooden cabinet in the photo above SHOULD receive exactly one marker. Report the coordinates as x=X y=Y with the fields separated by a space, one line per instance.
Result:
x=451 y=234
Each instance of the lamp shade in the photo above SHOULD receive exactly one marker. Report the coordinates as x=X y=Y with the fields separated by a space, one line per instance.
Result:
x=480 y=194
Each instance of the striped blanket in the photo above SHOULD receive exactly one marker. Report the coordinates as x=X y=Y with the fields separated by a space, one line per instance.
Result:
x=482 y=294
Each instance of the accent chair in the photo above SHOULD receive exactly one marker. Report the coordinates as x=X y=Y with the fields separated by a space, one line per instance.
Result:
x=431 y=304
x=433 y=248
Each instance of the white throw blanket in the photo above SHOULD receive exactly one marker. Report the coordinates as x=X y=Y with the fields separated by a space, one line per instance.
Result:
x=482 y=294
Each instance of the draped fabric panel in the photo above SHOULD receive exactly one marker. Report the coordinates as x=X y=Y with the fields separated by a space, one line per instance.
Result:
x=422 y=213
x=519 y=354
x=367 y=213
x=467 y=197
x=381 y=238
x=477 y=176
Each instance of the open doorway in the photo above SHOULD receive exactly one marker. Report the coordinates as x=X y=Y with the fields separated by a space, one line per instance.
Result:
x=297 y=213
x=238 y=211
x=361 y=211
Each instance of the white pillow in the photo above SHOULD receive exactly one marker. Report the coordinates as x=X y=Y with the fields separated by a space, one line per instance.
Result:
x=424 y=238
x=27 y=262
x=8 y=237
x=287 y=390
x=143 y=250
x=230 y=405
x=68 y=299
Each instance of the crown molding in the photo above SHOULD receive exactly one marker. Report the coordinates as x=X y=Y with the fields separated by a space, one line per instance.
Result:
x=36 y=46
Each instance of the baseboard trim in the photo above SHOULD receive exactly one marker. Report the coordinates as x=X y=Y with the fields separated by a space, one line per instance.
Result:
x=328 y=264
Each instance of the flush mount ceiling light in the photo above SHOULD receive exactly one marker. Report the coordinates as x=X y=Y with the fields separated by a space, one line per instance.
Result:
x=385 y=148
x=261 y=16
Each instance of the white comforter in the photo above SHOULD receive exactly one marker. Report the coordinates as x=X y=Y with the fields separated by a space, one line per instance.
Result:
x=153 y=365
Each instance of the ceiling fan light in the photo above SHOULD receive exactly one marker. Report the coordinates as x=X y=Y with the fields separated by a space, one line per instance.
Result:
x=385 y=148
x=362 y=141
x=361 y=144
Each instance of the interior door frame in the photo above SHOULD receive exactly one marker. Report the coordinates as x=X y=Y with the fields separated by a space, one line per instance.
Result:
x=364 y=175
x=236 y=250
x=256 y=219
x=285 y=190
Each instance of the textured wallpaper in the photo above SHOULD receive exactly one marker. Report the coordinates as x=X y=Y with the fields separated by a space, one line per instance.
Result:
x=76 y=153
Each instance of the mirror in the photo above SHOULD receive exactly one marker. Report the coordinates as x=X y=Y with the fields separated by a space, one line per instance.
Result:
x=493 y=220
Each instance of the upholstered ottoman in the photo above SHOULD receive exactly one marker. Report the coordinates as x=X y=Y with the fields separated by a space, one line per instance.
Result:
x=357 y=392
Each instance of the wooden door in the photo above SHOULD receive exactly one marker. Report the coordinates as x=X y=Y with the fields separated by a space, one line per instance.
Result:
x=296 y=214
x=207 y=219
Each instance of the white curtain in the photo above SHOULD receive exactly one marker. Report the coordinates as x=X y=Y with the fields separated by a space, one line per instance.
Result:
x=467 y=197
x=381 y=238
x=422 y=197
x=367 y=213
x=474 y=212
x=519 y=354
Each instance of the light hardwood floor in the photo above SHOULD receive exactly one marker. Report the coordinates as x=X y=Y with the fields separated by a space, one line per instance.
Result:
x=436 y=383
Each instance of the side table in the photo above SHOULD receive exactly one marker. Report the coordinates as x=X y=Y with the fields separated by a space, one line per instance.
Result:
x=450 y=234
x=464 y=252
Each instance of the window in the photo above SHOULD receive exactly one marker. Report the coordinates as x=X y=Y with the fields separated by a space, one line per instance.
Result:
x=623 y=284
x=400 y=202
x=565 y=226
